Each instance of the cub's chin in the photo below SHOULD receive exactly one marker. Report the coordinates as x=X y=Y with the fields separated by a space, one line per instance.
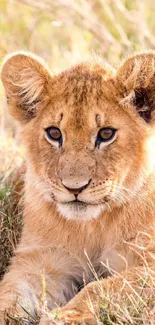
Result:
x=80 y=211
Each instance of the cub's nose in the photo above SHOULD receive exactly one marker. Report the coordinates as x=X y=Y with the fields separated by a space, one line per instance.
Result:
x=75 y=186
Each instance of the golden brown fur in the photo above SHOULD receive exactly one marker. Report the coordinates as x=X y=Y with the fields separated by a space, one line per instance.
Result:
x=114 y=228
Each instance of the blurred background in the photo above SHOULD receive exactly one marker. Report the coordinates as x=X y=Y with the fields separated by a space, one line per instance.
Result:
x=64 y=32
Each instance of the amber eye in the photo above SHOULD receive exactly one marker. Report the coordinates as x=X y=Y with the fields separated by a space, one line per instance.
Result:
x=105 y=134
x=54 y=134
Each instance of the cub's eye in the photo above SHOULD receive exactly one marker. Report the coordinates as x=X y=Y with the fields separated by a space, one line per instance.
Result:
x=105 y=135
x=54 y=134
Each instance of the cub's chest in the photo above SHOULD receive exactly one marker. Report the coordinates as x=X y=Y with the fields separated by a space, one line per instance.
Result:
x=109 y=262
x=99 y=257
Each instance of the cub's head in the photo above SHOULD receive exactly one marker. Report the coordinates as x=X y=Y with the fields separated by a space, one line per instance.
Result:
x=88 y=132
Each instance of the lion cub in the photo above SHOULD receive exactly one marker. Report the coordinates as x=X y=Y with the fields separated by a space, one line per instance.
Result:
x=89 y=134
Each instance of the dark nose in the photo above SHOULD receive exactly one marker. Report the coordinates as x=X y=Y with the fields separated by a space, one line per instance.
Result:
x=75 y=187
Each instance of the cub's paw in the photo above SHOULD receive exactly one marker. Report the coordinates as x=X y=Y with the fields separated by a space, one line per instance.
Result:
x=75 y=317
x=81 y=310
x=49 y=320
x=69 y=317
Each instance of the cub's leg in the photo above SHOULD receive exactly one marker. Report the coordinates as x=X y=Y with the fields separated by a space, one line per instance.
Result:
x=38 y=279
x=84 y=308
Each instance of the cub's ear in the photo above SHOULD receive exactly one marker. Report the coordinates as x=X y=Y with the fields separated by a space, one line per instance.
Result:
x=25 y=78
x=136 y=83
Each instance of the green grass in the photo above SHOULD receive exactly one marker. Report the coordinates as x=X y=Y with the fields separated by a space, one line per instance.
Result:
x=10 y=222
x=10 y=213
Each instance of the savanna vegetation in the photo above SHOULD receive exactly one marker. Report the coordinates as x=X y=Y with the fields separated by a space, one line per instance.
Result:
x=64 y=32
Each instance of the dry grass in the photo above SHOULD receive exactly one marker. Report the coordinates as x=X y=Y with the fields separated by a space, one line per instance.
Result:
x=134 y=308
x=10 y=222
x=10 y=213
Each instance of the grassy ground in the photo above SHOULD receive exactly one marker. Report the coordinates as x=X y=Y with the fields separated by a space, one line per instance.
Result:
x=133 y=308
x=10 y=213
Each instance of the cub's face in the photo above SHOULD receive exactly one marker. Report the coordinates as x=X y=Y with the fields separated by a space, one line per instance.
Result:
x=88 y=139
